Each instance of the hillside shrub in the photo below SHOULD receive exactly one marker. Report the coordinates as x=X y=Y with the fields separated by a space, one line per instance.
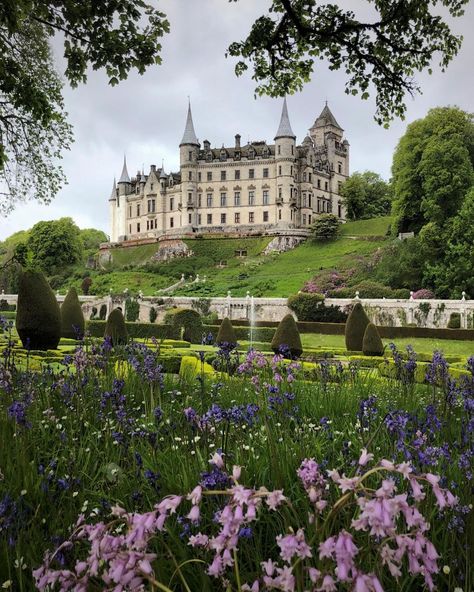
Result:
x=304 y=305
x=369 y=289
x=132 y=309
x=103 y=312
x=423 y=294
x=86 y=285
x=356 y=325
x=38 y=318
x=188 y=321
x=372 y=344
x=325 y=228
x=115 y=328
x=72 y=317
x=287 y=336
x=226 y=332
x=454 y=320
x=152 y=315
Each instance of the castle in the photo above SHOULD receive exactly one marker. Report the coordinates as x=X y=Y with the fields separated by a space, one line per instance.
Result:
x=250 y=189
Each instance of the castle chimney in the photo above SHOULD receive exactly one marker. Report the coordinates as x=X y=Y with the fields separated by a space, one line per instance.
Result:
x=207 y=145
x=153 y=168
x=237 y=140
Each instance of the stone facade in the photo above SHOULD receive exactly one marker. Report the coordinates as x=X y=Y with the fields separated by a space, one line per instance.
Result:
x=255 y=188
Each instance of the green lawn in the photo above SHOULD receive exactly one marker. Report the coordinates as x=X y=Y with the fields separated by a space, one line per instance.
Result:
x=447 y=346
x=372 y=227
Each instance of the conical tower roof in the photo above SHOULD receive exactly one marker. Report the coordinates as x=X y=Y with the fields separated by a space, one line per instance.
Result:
x=124 y=177
x=284 y=129
x=163 y=174
x=326 y=118
x=189 y=136
x=113 y=195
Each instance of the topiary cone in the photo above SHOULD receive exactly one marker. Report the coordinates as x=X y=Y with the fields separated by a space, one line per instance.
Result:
x=38 y=318
x=356 y=325
x=226 y=333
x=115 y=328
x=72 y=317
x=372 y=344
x=287 y=334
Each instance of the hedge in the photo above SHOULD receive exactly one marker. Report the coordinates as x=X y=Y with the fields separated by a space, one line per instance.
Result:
x=389 y=370
x=97 y=328
x=243 y=333
x=424 y=332
x=191 y=367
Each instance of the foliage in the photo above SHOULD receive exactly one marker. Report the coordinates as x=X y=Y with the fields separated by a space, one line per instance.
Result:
x=433 y=169
x=152 y=314
x=55 y=244
x=325 y=228
x=132 y=309
x=102 y=312
x=38 y=318
x=283 y=45
x=305 y=304
x=366 y=195
x=356 y=325
x=72 y=317
x=188 y=321
x=372 y=344
x=91 y=238
x=401 y=264
x=86 y=285
x=423 y=294
x=287 y=340
x=116 y=36
x=454 y=321
x=226 y=332
x=115 y=328
x=369 y=289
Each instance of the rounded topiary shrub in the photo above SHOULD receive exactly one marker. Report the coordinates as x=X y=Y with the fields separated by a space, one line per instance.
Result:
x=454 y=320
x=152 y=314
x=72 y=317
x=38 y=318
x=356 y=325
x=188 y=321
x=115 y=328
x=226 y=333
x=372 y=344
x=102 y=312
x=305 y=305
x=287 y=335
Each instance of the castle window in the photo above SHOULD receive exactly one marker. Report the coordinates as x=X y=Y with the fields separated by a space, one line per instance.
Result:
x=304 y=177
x=265 y=197
x=279 y=149
x=209 y=156
x=190 y=155
x=237 y=217
x=280 y=193
x=339 y=210
x=251 y=173
x=291 y=170
x=339 y=186
x=251 y=153
x=156 y=223
x=190 y=176
x=265 y=216
x=292 y=149
x=279 y=169
x=137 y=188
x=151 y=186
x=265 y=173
x=223 y=155
x=148 y=225
x=339 y=167
x=209 y=175
x=251 y=198
x=265 y=152
x=138 y=226
x=151 y=206
x=171 y=203
x=209 y=200
x=310 y=176
x=223 y=175
x=199 y=219
x=190 y=197
x=209 y=218
x=199 y=176
x=304 y=200
x=223 y=199
x=129 y=211
x=279 y=214
x=223 y=217
x=319 y=206
x=138 y=209
x=171 y=222
x=199 y=200
x=130 y=228
x=304 y=219
x=325 y=185
x=237 y=175
x=190 y=218
x=251 y=217
x=237 y=198
x=310 y=199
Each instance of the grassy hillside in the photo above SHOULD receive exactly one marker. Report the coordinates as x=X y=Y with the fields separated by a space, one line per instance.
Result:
x=372 y=227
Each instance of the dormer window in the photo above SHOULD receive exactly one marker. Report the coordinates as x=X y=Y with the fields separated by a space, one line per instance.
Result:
x=223 y=155
x=251 y=153
x=209 y=156
x=265 y=152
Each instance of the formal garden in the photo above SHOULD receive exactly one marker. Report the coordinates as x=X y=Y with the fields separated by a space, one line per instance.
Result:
x=196 y=460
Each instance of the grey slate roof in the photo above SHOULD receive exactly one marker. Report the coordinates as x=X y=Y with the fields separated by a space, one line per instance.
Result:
x=284 y=130
x=326 y=118
x=189 y=136
x=113 y=195
x=124 y=177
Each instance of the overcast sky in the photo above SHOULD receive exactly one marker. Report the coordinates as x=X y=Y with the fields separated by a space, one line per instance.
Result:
x=144 y=116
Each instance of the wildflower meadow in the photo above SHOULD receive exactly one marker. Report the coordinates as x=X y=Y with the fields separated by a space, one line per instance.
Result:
x=250 y=474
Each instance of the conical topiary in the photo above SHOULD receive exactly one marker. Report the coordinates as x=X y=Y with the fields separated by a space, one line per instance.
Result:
x=287 y=334
x=226 y=333
x=356 y=325
x=38 y=318
x=72 y=317
x=372 y=344
x=115 y=328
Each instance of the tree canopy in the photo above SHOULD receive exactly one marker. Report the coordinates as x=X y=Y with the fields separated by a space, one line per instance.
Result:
x=325 y=228
x=366 y=195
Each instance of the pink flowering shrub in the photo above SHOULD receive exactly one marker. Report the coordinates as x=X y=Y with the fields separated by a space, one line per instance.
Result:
x=380 y=534
x=423 y=294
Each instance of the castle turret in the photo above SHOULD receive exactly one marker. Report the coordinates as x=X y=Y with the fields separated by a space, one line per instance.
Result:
x=188 y=150
x=113 y=212
x=285 y=158
x=124 y=181
x=323 y=125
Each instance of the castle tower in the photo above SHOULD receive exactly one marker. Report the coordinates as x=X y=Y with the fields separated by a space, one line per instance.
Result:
x=124 y=188
x=324 y=124
x=112 y=213
x=188 y=152
x=124 y=181
x=285 y=159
